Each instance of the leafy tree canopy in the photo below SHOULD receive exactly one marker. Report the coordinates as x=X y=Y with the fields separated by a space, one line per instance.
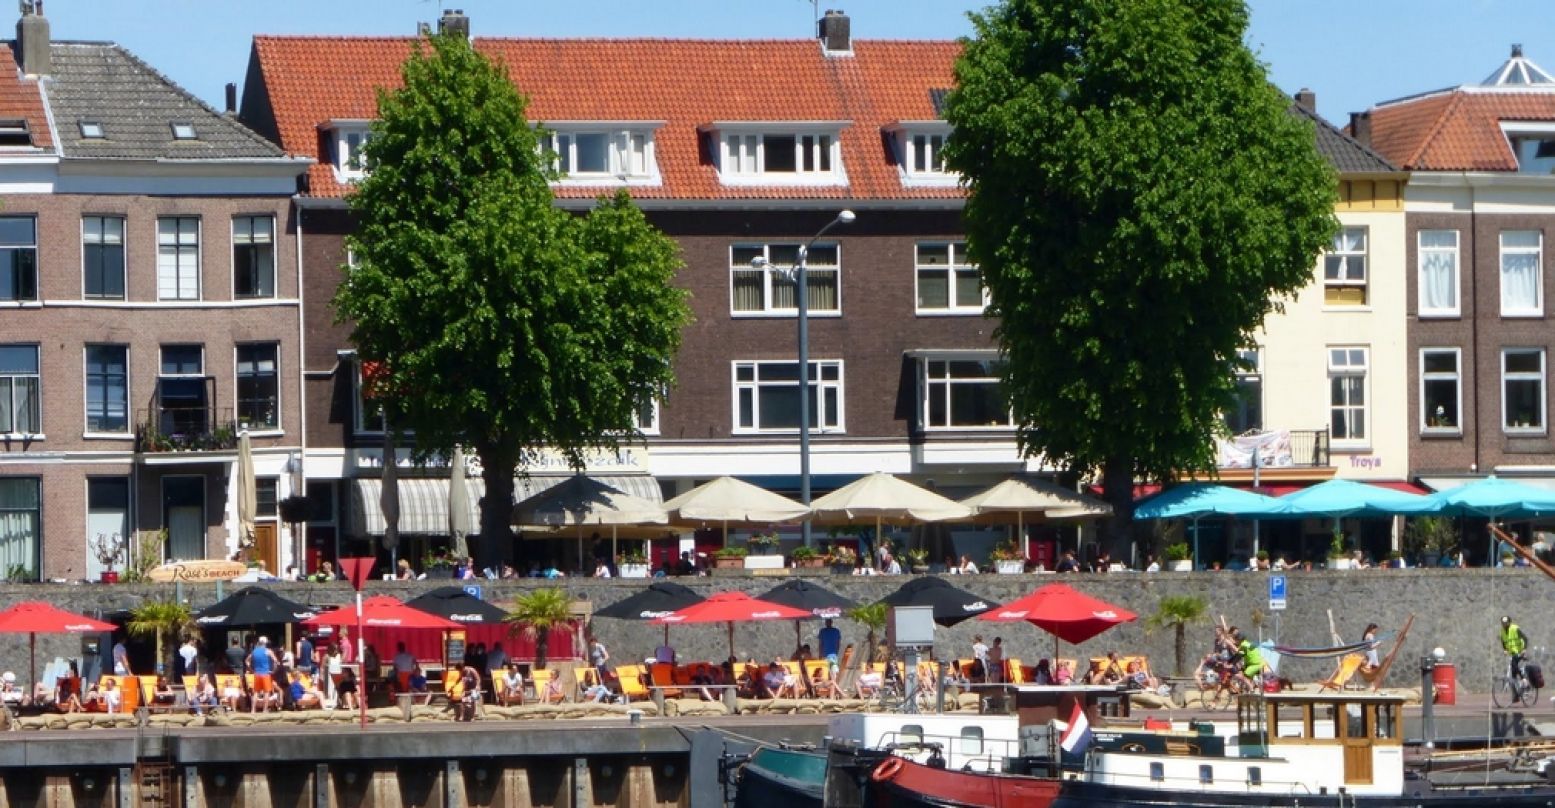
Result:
x=500 y=322
x=1140 y=196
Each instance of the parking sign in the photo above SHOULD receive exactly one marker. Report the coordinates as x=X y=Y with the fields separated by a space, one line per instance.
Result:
x=1276 y=593
x=474 y=590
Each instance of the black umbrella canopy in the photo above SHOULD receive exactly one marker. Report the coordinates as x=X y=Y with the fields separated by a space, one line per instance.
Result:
x=801 y=594
x=254 y=606
x=951 y=605
x=457 y=605
x=659 y=599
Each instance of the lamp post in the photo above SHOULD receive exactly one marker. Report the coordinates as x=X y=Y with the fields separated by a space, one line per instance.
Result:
x=802 y=302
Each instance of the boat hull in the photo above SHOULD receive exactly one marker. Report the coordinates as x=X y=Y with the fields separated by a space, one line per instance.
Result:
x=782 y=778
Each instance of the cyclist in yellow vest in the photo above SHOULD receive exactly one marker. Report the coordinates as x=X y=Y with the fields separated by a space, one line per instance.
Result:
x=1513 y=642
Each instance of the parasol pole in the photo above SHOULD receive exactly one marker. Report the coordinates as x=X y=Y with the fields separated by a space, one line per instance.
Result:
x=32 y=663
x=731 y=636
x=361 y=660
x=613 y=552
x=1020 y=527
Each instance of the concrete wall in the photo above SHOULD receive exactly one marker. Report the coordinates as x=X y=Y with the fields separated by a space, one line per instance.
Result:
x=1455 y=609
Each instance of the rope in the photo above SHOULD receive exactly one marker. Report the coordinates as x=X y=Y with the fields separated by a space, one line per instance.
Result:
x=1336 y=651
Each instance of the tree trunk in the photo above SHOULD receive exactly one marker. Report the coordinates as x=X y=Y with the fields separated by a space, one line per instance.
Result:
x=542 y=644
x=1181 y=647
x=498 y=463
x=1118 y=490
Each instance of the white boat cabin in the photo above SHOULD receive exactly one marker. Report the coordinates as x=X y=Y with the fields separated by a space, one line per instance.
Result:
x=1286 y=743
x=967 y=741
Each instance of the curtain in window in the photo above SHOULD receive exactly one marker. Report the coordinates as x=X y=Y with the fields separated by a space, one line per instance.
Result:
x=1520 y=271
x=1439 y=281
x=822 y=290
x=783 y=291
x=747 y=289
x=19 y=525
x=185 y=534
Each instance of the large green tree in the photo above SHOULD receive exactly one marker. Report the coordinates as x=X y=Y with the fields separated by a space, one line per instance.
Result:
x=500 y=322
x=1140 y=197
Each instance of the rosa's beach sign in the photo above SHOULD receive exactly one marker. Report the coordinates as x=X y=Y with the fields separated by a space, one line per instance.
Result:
x=197 y=571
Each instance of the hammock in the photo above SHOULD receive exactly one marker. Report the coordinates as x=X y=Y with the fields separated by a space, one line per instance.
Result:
x=1336 y=650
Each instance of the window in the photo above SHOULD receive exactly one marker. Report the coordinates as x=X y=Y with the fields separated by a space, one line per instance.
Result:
x=603 y=154
x=964 y=394
x=920 y=153
x=1344 y=269
x=1384 y=727
x=107 y=388
x=1158 y=771
x=925 y=154
x=777 y=156
x=91 y=130
x=107 y=517
x=20 y=526
x=19 y=389
x=183 y=130
x=15 y=132
x=253 y=256
x=770 y=289
x=182 y=394
x=1522 y=281
x=767 y=396
x=1438 y=260
x=648 y=416
x=18 y=258
x=947 y=281
x=1247 y=415
x=350 y=159
x=369 y=410
x=1347 y=394
x=259 y=393
x=1522 y=390
x=1535 y=154
x=178 y=258
x=1206 y=774
x=1440 y=399
x=102 y=257
x=1255 y=775
x=265 y=497
x=971 y=740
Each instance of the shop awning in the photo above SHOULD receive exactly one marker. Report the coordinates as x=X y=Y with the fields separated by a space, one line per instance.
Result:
x=424 y=502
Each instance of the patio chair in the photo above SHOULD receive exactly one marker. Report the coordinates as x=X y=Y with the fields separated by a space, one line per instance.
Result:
x=631 y=681
x=662 y=676
x=1348 y=665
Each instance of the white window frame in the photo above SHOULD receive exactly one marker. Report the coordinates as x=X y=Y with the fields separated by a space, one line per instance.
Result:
x=103 y=238
x=1254 y=356
x=177 y=245
x=929 y=386
x=6 y=294
x=826 y=421
x=129 y=411
x=37 y=405
x=912 y=139
x=956 y=266
x=647 y=421
x=253 y=236
x=1537 y=251
x=1520 y=135
x=1422 y=253
x=559 y=139
x=773 y=271
x=743 y=157
x=1348 y=263
x=1525 y=376
x=360 y=417
x=349 y=136
x=278 y=427
x=1341 y=363
x=1456 y=377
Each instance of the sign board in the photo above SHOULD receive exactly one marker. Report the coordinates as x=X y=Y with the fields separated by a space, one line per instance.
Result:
x=197 y=571
x=1276 y=593
x=454 y=650
x=910 y=627
x=473 y=590
x=358 y=570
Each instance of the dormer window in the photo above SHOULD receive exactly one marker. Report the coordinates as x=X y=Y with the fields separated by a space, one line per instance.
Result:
x=1534 y=146
x=350 y=137
x=782 y=153
x=602 y=153
x=183 y=130
x=92 y=130
x=14 y=132
x=920 y=152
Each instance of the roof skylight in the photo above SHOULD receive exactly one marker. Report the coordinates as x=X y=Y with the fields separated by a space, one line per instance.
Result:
x=183 y=130
x=92 y=129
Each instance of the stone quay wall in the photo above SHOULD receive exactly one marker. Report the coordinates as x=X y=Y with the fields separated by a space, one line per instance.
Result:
x=1457 y=610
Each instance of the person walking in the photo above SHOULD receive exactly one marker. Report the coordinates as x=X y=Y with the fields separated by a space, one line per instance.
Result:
x=979 y=673
x=1513 y=642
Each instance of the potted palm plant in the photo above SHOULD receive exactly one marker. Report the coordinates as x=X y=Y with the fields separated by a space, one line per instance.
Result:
x=872 y=616
x=438 y=565
x=1337 y=559
x=762 y=552
x=160 y=619
x=1429 y=537
x=634 y=564
x=1176 y=612
x=918 y=560
x=110 y=550
x=842 y=559
x=1007 y=558
x=1178 y=558
x=535 y=613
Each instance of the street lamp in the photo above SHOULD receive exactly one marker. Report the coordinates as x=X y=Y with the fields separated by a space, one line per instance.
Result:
x=801 y=293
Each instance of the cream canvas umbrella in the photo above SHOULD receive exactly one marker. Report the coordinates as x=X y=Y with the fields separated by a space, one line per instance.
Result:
x=584 y=501
x=248 y=495
x=881 y=497
x=1022 y=496
x=458 y=505
x=728 y=499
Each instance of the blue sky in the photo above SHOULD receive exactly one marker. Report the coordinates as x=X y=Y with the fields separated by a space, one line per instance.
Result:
x=1353 y=53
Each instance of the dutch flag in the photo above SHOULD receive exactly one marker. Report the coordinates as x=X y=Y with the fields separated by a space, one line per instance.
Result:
x=1078 y=734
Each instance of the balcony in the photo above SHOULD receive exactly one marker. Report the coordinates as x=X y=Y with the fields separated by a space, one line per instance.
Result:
x=1275 y=449
x=185 y=429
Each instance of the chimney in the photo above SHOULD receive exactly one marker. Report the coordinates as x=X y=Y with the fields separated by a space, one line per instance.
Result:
x=835 y=32
x=1360 y=127
x=232 y=98
x=1307 y=100
x=454 y=22
x=32 y=39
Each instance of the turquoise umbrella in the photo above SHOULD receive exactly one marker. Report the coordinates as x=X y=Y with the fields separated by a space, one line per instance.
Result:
x=1198 y=500
x=1341 y=498
x=1495 y=498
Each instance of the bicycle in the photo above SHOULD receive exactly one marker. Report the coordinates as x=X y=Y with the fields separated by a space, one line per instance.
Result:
x=1509 y=691
x=1219 y=688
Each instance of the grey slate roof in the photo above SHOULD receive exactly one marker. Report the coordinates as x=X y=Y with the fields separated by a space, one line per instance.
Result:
x=136 y=105
x=1344 y=153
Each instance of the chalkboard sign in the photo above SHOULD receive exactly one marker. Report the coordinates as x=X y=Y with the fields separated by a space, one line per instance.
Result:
x=455 y=648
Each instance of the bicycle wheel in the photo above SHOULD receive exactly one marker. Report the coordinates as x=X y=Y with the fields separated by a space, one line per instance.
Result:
x=1530 y=695
x=1501 y=692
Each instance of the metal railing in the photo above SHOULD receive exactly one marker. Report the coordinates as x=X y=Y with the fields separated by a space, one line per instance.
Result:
x=185 y=429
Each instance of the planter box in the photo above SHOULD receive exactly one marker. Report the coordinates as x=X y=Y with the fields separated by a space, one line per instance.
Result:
x=1185 y=565
x=1010 y=567
x=728 y=562
x=1338 y=563
x=110 y=577
x=842 y=569
x=764 y=562
x=634 y=570
x=440 y=573
x=809 y=563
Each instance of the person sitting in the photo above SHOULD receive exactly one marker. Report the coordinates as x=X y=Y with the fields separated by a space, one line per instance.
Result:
x=111 y=697
x=304 y=697
x=1043 y=673
x=967 y=567
x=775 y=681
x=1112 y=669
x=1064 y=673
x=593 y=691
x=91 y=701
x=232 y=694
x=870 y=683
x=10 y=694
x=162 y=694
x=1138 y=678
x=1096 y=674
x=511 y=690
x=204 y=696
x=822 y=686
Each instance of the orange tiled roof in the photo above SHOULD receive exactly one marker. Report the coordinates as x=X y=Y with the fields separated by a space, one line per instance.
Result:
x=1456 y=130
x=685 y=83
x=19 y=98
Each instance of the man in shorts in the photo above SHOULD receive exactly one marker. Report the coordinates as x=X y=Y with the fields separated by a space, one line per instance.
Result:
x=262 y=662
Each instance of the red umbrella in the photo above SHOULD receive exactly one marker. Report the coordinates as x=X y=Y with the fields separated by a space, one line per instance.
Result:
x=34 y=617
x=1066 y=613
x=731 y=608
x=385 y=612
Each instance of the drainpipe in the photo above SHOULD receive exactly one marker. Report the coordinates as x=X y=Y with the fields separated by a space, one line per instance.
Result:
x=301 y=528
x=1474 y=320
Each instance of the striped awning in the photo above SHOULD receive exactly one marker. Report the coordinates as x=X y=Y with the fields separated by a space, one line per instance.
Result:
x=424 y=502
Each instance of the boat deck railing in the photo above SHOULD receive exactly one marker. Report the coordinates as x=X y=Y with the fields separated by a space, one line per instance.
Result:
x=958 y=750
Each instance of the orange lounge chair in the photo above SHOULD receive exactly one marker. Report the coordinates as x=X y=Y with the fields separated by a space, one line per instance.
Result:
x=631 y=680
x=662 y=675
x=1348 y=665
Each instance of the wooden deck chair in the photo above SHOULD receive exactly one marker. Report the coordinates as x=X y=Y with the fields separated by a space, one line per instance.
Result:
x=845 y=672
x=547 y=689
x=1015 y=672
x=148 y=696
x=819 y=679
x=1348 y=665
x=583 y=677
x=662 y=676
x=631 y=681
